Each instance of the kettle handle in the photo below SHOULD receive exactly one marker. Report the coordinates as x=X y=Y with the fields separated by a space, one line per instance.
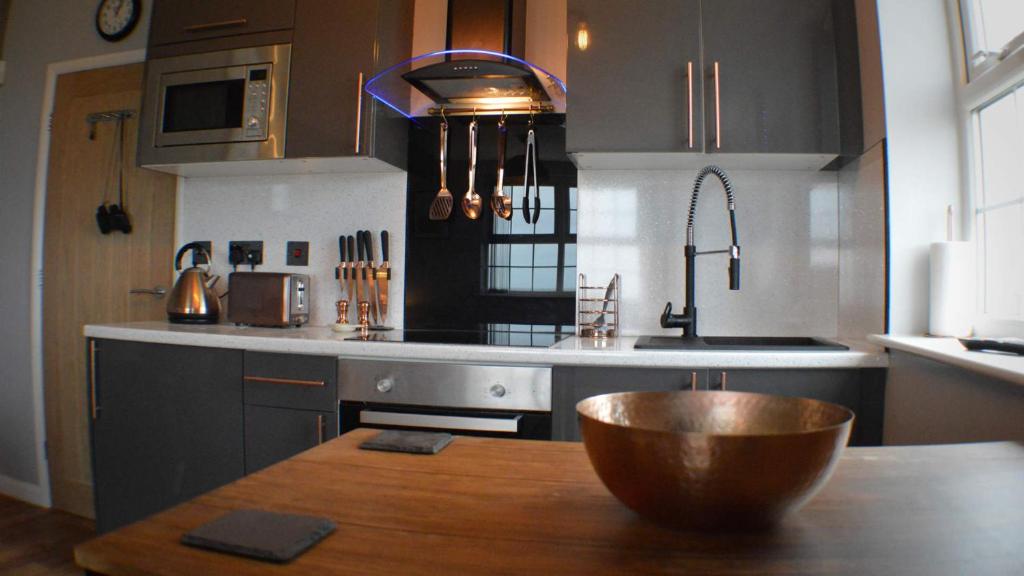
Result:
x=192 y=246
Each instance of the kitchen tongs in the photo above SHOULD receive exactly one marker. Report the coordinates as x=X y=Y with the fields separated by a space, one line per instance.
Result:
x=531 y=158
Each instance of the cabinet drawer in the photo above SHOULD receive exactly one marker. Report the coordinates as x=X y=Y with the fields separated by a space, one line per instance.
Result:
x=291 y=381
x=186 y=20
x=275 y=434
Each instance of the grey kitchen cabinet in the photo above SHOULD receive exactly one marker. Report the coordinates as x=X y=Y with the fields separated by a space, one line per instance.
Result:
x=572 y=384
x=291 y=405
x=862 y=391
x=166 y=426
x=637 y=87
x=776 y=88
x=337 y=48
x=275 y=434
x=176 y=21
x=774 y=91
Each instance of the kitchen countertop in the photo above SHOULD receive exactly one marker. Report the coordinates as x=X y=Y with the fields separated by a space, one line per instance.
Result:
x=498 y=506
x=1009 y=367
x=321 y=340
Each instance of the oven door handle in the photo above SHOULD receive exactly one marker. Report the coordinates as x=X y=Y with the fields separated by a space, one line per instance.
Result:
x=508 y=425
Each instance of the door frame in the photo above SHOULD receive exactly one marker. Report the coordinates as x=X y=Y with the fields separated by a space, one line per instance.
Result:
x=39 y=493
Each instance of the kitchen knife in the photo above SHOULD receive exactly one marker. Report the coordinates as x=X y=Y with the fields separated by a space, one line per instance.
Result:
x=360 y=270
x=341 y=273
x=351 y=267
x=383 y=276
x=371 y=273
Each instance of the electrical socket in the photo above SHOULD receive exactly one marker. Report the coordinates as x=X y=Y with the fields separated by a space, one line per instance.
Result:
x=245 y=252
x=198 y=258
x=297 y=253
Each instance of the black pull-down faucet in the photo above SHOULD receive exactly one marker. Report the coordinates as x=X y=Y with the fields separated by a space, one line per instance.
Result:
x=688 y=319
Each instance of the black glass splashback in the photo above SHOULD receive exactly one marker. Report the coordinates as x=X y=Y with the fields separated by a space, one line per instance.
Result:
x=474 y=274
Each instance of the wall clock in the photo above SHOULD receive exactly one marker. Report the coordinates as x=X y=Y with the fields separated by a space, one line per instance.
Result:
x=116 y=19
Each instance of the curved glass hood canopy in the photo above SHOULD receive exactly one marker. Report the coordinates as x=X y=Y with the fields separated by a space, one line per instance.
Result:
x=480 y=82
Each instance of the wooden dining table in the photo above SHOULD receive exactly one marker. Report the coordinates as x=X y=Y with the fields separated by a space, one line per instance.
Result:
x=498 y=506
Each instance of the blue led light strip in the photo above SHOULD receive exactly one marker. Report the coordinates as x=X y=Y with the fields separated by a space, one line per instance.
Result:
x=370 y=83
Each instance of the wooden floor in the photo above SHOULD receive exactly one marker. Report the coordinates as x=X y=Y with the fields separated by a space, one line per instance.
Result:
x=39 y=541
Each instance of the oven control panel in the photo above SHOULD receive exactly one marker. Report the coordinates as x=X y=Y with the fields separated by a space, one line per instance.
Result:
x=486 y=387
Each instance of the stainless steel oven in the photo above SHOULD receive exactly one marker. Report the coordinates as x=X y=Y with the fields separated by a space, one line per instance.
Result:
x=467 y=399
x=226 y=105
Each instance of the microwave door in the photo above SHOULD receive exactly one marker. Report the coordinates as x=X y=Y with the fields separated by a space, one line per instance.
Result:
x=208 y=106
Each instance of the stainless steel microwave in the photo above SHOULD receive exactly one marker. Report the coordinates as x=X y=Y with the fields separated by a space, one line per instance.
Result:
x=215 y=106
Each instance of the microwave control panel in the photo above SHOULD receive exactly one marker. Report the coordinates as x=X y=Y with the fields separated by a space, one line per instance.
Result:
x=257 y=101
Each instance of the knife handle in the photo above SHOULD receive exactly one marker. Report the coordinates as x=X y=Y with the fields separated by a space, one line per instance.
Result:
x=361 y=250
x=341 y=250
x=368 y=242
x=385 y=258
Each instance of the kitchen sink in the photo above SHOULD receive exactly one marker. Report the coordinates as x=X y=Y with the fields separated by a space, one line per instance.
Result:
x=753 y=343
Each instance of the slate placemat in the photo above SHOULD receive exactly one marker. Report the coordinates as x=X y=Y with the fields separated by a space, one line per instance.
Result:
x=260 y=534
x=408 y=441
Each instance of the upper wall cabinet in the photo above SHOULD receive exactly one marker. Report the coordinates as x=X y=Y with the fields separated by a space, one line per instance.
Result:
x=189 y=20
x=752 y=80
x=272 y=87
x=338 y=46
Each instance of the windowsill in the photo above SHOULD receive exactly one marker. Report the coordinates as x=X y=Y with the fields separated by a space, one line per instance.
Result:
x=949 y=351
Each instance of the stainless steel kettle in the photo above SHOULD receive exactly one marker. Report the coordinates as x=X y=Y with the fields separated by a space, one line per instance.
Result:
x=193 y=300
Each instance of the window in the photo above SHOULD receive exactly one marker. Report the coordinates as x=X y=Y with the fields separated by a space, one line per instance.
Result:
x=999 y=203
x=524 y=257
x=993 y=30
x=992 y=101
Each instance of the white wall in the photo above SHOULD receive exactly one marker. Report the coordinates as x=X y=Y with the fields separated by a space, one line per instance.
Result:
x=923 y=148
x=315 y=208
x=634 y=223
x=38 y=33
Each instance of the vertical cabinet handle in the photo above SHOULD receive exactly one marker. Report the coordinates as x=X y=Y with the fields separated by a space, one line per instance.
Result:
x=725 y=380
x=359 y=112
x=92 y=379
x=689 y=103
x=718 y=113
x=693 y=381
x=319 y=429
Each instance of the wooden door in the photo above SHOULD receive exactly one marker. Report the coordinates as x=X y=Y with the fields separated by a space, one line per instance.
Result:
x=87 y=275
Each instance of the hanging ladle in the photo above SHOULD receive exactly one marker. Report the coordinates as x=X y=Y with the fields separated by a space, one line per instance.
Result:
x=501 y=205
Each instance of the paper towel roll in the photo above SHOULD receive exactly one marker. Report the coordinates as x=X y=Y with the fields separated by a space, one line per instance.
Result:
x=952 y=306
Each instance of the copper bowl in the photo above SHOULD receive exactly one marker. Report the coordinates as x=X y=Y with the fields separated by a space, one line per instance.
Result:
x=713 y=459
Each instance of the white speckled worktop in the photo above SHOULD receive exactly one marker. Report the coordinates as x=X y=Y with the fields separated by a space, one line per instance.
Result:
x=1008 y=367
x=572 y=351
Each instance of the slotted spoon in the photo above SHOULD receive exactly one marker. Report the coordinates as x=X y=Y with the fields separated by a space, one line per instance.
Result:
x=441 y=206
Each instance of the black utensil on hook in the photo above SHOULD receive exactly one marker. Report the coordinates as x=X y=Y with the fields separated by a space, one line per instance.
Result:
x=531 y=159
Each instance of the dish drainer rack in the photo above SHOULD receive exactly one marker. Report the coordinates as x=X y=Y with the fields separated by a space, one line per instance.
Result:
x=597 y=308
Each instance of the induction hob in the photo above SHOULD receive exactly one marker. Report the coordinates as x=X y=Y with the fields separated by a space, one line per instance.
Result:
x=510 y=337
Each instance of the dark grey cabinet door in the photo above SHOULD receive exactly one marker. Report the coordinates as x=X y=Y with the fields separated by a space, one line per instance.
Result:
x=859 y=390
x=168 y=426
x=189 y=20
x=776 y=85
x=630 y=91
x=274 y=434
x=571 y=385
x=329 y=114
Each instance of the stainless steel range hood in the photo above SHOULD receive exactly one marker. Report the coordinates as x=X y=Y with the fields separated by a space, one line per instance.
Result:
x=481 y=70
x=479 y=83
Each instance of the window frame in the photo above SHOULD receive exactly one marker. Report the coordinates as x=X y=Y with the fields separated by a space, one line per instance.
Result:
x=979 y=86
x=561 y=237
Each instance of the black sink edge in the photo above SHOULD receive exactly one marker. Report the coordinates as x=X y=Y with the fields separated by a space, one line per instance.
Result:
x=698 y=344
